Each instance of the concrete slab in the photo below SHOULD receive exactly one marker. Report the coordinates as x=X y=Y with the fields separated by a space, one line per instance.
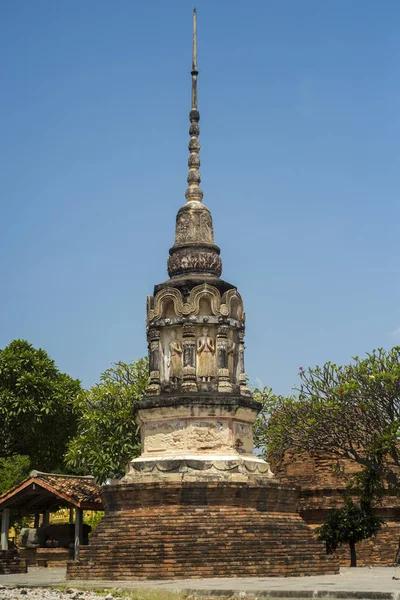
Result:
x=380 y=583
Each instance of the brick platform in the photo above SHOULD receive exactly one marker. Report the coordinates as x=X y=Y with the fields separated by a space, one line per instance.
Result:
x=191 y=530
x=10 y=563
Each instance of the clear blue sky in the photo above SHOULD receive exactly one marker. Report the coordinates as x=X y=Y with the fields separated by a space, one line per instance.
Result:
x=300 y=154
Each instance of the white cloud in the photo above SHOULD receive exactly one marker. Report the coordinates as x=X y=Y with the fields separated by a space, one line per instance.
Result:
x=396 y=333
x=260 y=384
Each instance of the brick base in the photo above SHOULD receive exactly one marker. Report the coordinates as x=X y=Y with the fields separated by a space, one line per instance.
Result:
x=10 y=563
x=191 y=530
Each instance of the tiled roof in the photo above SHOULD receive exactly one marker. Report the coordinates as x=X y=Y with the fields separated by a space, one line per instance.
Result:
x=41 y=489
x=80 y=489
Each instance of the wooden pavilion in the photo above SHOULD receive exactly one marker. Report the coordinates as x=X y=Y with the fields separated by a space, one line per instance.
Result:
x=39 y=496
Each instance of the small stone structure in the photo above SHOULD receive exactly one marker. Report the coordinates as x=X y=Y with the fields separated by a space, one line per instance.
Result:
x=323 y=478
x=198 y=501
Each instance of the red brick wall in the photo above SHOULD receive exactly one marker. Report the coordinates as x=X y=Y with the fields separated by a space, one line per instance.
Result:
x=322 y=487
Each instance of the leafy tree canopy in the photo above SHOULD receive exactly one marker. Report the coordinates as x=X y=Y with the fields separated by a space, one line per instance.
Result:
x=352 y=411
x=13 y=470
x=108 y=436
x=349 y=525
x=37 y=417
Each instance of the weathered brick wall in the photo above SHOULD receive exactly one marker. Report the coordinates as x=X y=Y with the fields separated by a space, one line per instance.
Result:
x=378 y=551
x=314 y=470
x=200 y=530
x=54 y=557
x=322 y=487
x=10 y=563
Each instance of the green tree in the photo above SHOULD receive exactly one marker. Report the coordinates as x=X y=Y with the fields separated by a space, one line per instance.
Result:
x=108 y=436
x=12 y=471
x=37 y=417
x=354 y=522
x=349 y=525
x=352 y=411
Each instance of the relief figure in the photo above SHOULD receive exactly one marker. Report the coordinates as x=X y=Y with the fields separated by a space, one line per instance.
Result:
x=205 y=356
x=175 y=360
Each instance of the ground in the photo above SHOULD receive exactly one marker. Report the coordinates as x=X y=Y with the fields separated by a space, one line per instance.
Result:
x=380 y=583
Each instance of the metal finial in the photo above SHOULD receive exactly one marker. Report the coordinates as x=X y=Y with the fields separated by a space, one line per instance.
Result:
x=194 y=53
x=194 y=61
x=194 y=192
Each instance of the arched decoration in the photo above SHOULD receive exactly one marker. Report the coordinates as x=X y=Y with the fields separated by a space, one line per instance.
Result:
x=231 y=304
x=205 y=291
x=162 y=299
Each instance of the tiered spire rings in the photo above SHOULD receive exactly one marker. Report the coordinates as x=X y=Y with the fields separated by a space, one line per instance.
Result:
x=194 y=192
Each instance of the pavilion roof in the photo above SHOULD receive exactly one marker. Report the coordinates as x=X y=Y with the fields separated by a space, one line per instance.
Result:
x=43 y=491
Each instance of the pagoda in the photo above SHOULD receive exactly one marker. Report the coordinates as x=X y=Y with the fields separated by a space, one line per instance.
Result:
x=198 y=502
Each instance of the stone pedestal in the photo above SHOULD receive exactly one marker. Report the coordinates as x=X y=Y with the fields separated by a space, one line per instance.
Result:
x=209 y=435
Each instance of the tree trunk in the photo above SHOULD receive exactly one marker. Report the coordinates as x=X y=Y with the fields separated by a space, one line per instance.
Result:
x=353 y=556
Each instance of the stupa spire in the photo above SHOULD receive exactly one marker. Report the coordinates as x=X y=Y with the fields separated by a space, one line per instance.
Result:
x=194 y=61
x=194 y=192
x=194 y=253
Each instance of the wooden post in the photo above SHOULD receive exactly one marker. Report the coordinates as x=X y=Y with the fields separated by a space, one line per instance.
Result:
x=46 y=518
x=78 y=531
x=71 y=515
x=36 y=520
x=5 y=526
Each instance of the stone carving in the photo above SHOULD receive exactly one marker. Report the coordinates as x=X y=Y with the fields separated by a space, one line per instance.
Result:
x=219 y=306
x=175 y=465
x=206 y=227
x=175 y=361
x=153 y=337
x=206 y=356
x=194 y=225
x=183 y=228
x=193 y=260
x=244 y=390
x=189 y=357
x=230 y=350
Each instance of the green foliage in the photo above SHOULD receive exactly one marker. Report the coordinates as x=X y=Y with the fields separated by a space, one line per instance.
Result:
x=107 y=435
x=37 y=417
x=352 y=411
x=93 y=519
x=349 y=525
x=268 y=430
x=12 y=471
